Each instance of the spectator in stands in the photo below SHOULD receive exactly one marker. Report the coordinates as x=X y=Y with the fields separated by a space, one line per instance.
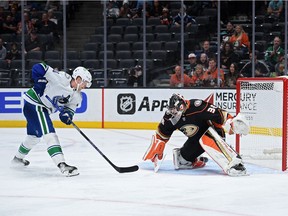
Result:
x=279 y=69
x=192 y=64
x=166 y=18
x=211 y=75
x=15 y=15
x=113 y=9
x=45 y=26
x=135 y=78
x=9 y=26
x=275 y=8
x=261 y=69
x=13 y=53
x=149 y=9
x=188 y=20
x=156 y=8
x=176 y=78
x=28 y=25
x=203 y=60
x=3 y=51
x=240 y=40
x=227 y=55
x=206 y=49
x=125 y=11
x=274 y=54
x=197 y=80
x=229 y=31
x=52 y=17
x=232 y=76
x=34 y=15
x=32 y=43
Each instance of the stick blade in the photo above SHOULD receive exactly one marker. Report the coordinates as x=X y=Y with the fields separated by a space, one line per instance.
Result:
x=127 y=169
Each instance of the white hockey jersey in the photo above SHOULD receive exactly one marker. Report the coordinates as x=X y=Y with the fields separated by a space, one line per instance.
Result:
x=58 y=93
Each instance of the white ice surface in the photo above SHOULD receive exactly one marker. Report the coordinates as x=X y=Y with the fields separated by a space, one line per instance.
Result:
x=41 y=190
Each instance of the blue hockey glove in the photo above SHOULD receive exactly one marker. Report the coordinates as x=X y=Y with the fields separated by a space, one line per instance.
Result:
x=66 y=117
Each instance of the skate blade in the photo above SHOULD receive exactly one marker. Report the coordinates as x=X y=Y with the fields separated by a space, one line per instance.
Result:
x=74 y=173
x=17 y=163
x=237 y=174
x=158 y=163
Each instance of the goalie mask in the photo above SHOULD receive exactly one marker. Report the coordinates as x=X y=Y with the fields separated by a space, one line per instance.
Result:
x=84 y=74
x=176 y=105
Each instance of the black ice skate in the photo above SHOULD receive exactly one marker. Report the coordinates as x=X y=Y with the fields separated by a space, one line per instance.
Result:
x=20 y=161
x=68 y=170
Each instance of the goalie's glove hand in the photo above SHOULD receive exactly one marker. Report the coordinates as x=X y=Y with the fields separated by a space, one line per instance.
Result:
x=66 y=117
x=155 y=149
x=238 y=125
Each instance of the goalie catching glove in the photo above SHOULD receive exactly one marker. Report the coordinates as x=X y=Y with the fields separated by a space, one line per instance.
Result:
x=155 y=150
x=238 y=125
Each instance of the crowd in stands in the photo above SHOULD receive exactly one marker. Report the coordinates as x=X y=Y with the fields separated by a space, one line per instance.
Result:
x=124 y=49
x=43 y=24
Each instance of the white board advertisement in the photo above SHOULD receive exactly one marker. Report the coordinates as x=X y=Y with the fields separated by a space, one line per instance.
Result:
x=113 y=107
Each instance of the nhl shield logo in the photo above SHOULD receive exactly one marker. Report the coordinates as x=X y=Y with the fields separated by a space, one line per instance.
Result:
x=126 y=104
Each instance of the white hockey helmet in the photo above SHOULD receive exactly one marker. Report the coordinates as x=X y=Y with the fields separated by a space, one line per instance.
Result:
x=84 y=74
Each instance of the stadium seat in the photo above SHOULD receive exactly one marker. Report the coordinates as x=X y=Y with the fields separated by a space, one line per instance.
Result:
x=126 y=63
x=154 y=45
x=123 y=54
x=130 y=37
x=72 y=54
x=91 y=64
x=52 y=54
x=34 y=55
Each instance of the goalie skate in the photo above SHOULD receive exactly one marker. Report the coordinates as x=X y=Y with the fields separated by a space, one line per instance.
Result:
x=181 y=163
x=19 y=161
x=237 y=170
x=68 y=170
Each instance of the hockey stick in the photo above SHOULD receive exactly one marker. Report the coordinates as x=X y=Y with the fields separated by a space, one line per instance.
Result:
x=118 y=169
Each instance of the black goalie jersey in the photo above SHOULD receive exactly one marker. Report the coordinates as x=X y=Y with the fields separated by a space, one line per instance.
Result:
x=194 y=122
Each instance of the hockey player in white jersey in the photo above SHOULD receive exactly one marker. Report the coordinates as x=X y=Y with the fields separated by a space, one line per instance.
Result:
x=53 y=91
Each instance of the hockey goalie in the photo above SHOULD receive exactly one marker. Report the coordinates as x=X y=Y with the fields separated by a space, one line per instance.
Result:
x=205 y=125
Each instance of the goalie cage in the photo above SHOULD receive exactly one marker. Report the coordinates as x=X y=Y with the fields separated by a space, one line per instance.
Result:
x=263 y=101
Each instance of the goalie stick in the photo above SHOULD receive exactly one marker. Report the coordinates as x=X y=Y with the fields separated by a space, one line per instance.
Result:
x=118 y=169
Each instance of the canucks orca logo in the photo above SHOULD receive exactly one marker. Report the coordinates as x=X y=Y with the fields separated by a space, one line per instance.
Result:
x=126 y=104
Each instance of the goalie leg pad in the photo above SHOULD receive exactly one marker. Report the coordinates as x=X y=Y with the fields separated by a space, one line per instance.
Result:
x=180 y=163
x=155 y=149
x=222 y=153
